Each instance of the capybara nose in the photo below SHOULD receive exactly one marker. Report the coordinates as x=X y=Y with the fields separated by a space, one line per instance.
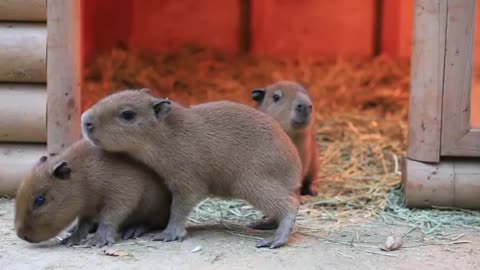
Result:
x=303 y=107
x=23 y=235
x=89 y=126
x=87 y=122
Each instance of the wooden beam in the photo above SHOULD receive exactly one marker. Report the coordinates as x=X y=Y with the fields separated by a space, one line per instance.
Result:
x=427 y=71
x=452 y=182
x=23 y=10
x=63 y=73
x=16 y=161
x=458 y=138
x=23 y=52
x=24 y=113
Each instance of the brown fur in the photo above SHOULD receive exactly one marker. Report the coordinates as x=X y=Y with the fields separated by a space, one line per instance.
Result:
x=297 y=122
x=94 y=186
x=220 y=149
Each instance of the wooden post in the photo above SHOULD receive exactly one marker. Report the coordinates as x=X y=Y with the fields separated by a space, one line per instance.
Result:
x=63 y=73
x=458 y=137
x=427 y=73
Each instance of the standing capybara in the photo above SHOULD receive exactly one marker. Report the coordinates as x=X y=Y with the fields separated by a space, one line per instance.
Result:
x=290 y=104
x=112 y=190
x=222 y=149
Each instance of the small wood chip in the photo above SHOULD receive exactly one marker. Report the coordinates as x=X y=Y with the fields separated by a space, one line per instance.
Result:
x=393 y=242
x=116 y=253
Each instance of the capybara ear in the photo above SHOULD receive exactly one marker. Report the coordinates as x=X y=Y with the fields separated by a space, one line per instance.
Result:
x=258 y=94
x=161 y=107
x=61 y=170
x=146 y=90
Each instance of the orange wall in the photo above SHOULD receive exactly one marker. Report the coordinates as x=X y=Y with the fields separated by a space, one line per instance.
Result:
x=313 y=27
x=397 y=28
x=162 y=25
x=301 y=27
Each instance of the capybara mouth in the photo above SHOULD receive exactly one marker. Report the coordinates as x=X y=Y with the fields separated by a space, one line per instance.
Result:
x=92 y=138
x=300 y=123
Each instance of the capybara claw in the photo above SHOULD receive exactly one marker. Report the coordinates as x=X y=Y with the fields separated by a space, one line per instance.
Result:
x=271 y=242
x=168 y=236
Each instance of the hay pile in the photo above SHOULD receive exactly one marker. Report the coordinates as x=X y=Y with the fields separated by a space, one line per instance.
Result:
x=361 y=111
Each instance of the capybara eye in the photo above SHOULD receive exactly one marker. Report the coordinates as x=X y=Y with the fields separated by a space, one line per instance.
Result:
x=39 y=201
x=276 y=97
x=128 y=115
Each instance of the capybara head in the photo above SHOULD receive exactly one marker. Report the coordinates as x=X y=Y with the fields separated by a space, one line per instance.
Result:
x=46 y=202
x=119 y=122
x=288 y=102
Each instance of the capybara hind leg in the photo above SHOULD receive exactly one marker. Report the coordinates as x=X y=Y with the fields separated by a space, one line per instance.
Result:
x=280 y=237
x=182 y=205
x=277 y=203
x=265 y=223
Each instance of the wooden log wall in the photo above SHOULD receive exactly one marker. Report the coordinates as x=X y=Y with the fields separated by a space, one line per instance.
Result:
x=23 y=96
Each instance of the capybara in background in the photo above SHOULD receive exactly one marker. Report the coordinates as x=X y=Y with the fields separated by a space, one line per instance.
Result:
x=290 y=104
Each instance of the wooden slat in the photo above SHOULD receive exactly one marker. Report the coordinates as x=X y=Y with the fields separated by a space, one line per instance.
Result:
x=23 y=110
x=23 y=10
x=428 y=184
x=16 y=160
x=452 y=182
x=64 y=74
x=23 y=52
x=427 y=80
x=458 y=138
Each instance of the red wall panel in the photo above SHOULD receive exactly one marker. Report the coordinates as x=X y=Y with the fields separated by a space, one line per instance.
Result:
x=313 y=27
x=169 y=24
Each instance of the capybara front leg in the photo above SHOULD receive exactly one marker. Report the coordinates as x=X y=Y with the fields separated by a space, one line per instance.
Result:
x=181 y=207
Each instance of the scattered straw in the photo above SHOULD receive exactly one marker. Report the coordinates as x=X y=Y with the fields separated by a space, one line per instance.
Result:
x=430 y=222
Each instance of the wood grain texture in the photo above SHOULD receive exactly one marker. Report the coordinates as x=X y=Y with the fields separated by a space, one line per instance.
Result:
x=458 y=138
x=452 y=182
x=24 y=113
x=23 y=10
x=64 y=74
x=23 y=52
x=427 y=72
x=16 y=160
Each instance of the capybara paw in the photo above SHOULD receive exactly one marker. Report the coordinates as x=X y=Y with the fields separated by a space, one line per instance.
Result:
x=170 y=235
x=264 y=224
x=73 y=240
x=272 y=242
x=101 y=239
x=134 y=232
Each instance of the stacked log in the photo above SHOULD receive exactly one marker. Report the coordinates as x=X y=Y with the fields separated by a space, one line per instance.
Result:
x=23 y=96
